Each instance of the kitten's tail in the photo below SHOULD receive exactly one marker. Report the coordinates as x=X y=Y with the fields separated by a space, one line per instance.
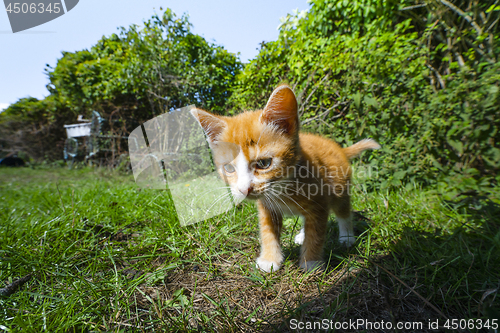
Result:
x=356 y=149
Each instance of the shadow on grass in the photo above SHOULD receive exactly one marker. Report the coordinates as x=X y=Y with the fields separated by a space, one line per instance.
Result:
x=424 y=280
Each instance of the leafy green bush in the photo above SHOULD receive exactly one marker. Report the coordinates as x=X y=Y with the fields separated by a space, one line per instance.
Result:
x=381 y=69
x=33 y=128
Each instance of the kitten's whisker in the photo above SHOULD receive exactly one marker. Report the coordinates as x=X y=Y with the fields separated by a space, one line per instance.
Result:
x=270 y=205
x=218 y=199
x=197 y=195
x=276 y=193
x=309 y=172
x=272 y=208
x=300 y=194
x=277 y=205
x=221 y=197
x=289 y=181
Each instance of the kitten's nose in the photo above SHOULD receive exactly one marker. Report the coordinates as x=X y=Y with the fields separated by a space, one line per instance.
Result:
x=247 y=191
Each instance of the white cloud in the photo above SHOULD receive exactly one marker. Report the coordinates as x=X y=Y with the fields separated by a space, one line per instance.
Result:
x=3 y=106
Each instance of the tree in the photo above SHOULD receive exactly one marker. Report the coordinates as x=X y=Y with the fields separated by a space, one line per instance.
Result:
x=144 y=72
x=129 y=78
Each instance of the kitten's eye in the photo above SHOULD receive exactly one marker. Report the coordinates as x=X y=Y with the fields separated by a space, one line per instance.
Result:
x=264 y=163
x=229 y=168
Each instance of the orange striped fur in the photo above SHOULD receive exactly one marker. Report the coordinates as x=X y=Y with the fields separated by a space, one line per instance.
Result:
x=287 y=172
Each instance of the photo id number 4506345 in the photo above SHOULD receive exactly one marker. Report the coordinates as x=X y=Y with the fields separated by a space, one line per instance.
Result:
x=27 y=7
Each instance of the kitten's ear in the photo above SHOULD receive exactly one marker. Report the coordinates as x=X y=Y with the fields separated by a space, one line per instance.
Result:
x=281 y=110
x=212 y=125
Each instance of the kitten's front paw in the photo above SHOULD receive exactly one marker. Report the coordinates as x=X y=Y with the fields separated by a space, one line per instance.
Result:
x=299 y=238
x=267 y=266
x=311 y=265
x=347 y=241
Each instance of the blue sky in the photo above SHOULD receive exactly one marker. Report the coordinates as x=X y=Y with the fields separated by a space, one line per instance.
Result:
x=238 y=25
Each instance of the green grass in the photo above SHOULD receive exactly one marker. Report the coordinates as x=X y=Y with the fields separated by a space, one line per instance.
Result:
x=107 y=256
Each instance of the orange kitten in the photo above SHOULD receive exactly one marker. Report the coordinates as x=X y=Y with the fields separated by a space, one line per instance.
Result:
x=262 y=156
